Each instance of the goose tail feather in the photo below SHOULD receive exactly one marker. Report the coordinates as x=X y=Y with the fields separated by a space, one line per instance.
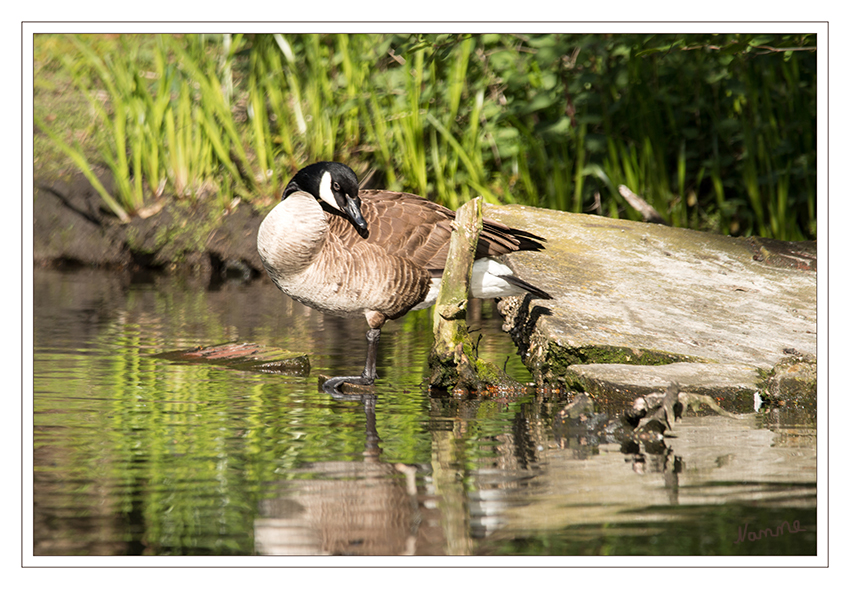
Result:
x=530 y=288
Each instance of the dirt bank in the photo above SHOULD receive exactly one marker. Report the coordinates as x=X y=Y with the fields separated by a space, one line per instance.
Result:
x=72 y=227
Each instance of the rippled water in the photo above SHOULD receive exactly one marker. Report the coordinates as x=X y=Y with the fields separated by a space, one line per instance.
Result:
x=134 y=454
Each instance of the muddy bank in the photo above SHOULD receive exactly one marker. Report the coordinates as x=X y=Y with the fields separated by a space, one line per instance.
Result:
x=72 y=228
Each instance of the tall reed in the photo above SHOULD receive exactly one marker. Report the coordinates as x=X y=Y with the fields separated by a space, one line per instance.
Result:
x=716 y=132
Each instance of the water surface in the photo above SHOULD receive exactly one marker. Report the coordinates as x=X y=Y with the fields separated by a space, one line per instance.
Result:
x=134 y=454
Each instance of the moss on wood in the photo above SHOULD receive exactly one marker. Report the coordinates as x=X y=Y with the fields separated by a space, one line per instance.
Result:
x=453 y=361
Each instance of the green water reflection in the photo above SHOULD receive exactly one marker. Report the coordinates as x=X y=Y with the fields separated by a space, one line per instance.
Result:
x=137 y=455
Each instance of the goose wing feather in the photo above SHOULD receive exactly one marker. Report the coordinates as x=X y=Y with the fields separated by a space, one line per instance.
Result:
x=389 y=284
x=416 y=229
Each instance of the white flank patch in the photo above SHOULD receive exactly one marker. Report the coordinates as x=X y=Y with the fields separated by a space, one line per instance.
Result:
x=431 y=297
x=486 y=283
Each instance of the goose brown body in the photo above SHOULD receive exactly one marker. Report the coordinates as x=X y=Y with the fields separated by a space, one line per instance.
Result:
x=319 y=257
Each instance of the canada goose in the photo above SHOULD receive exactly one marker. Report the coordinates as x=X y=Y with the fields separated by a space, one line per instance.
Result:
x=346 y=251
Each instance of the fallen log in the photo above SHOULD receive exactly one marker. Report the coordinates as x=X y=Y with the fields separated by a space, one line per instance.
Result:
x=637 y=306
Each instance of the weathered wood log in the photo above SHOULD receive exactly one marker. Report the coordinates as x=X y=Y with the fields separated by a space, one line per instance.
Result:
x=453 y=361
x=637 y=306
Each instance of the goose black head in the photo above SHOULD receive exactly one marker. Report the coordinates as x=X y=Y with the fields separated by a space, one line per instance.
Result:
x=331 y=183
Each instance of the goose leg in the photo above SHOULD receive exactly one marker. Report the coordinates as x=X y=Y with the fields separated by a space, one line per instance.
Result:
x=370 y=372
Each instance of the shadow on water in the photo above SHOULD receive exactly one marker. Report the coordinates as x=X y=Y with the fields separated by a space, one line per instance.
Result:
x=134 y=454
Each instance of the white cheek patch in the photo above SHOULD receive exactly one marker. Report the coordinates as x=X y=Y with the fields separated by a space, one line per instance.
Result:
x=325 y=192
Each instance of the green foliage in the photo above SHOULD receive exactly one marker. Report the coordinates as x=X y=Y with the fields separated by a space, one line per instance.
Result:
x=715 y=131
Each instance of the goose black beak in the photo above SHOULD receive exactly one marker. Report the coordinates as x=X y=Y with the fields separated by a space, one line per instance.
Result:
x=352 y=209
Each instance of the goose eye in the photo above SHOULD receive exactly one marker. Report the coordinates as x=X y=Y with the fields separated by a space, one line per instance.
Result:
x=336 y=186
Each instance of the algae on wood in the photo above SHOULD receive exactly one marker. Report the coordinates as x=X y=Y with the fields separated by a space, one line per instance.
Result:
x=454 y=363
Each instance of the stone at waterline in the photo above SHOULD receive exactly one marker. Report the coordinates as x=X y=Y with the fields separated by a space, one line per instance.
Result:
x=649 y=419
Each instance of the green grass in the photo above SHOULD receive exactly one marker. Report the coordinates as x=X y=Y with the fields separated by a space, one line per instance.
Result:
x=716 y=132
